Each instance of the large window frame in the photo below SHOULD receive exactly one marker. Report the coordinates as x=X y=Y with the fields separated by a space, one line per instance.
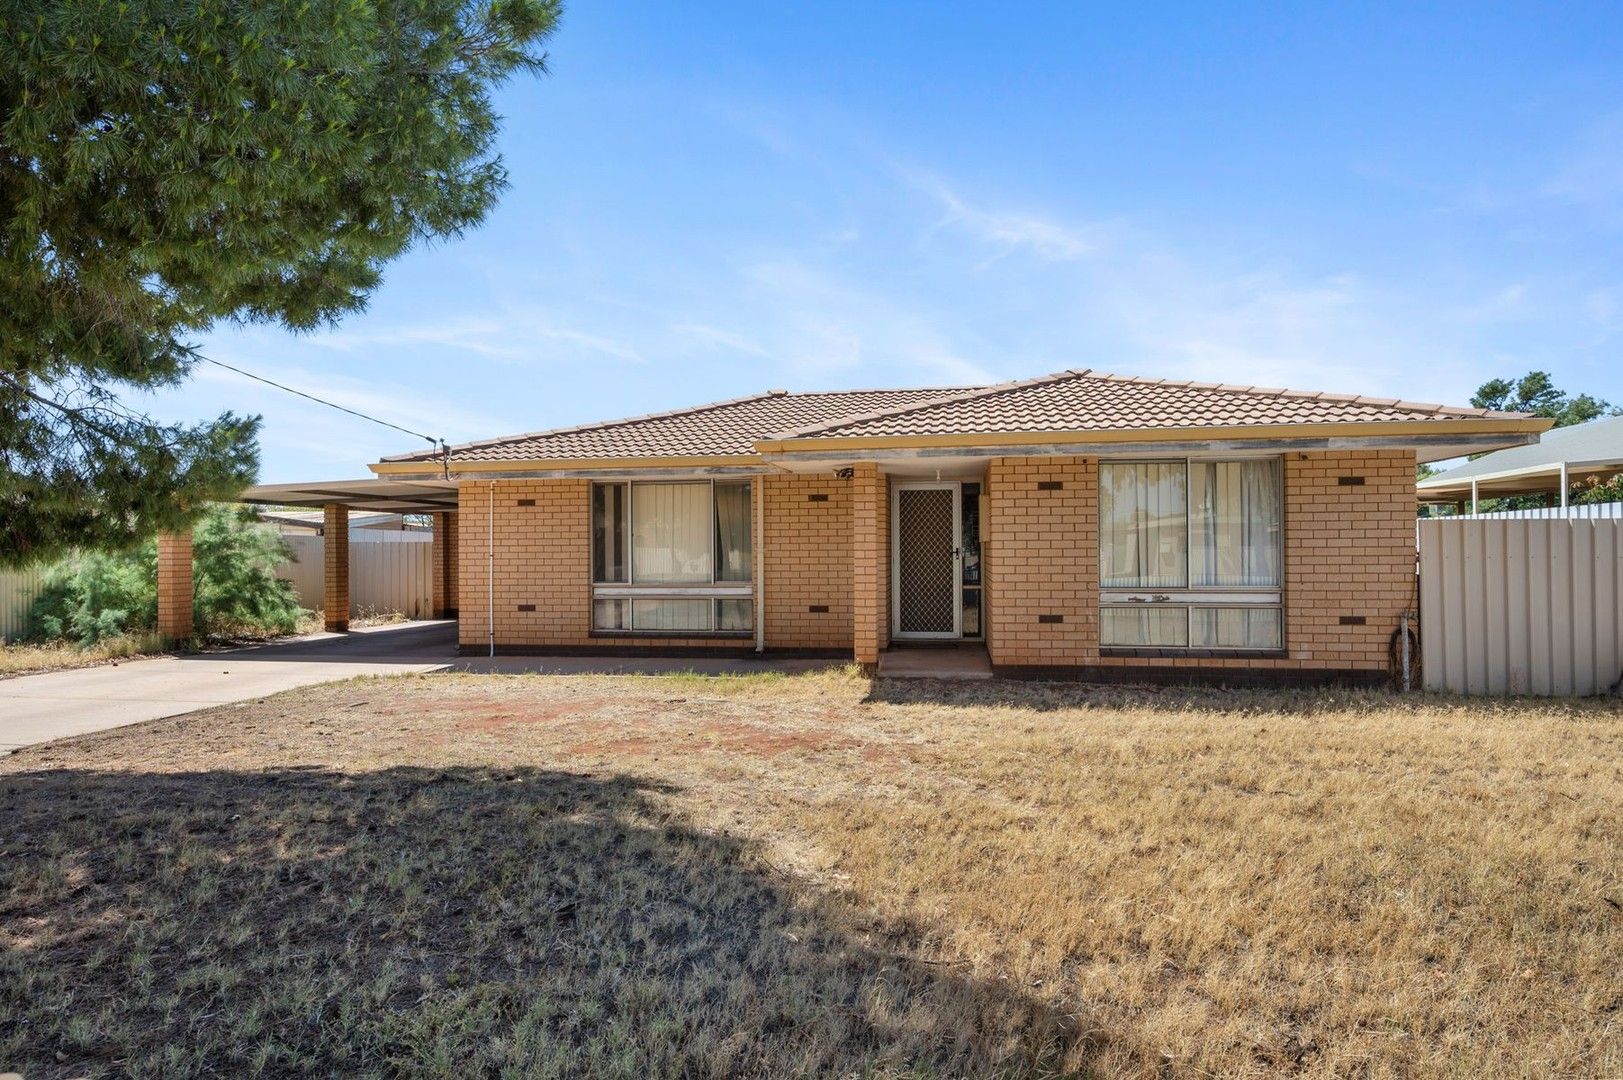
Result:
x=629 y=607
x=1203 y=603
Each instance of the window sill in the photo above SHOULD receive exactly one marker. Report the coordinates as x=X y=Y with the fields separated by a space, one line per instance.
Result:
x=1136 y=652
x=723 y=635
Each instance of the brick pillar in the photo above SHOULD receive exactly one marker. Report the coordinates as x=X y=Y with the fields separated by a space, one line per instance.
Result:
x=335 y=545
x=870 y=563
x=444 y=560
x=175 y=586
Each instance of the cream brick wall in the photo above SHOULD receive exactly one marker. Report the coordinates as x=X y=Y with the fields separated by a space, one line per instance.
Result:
x=1042 y=545
x=806 y=534
x=335 y=567
x=1349 y=554
x=444 y=560
x=543 y=560
x=174 y=586
x=870 y=562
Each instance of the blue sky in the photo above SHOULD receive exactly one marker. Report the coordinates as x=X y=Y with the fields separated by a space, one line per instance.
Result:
x=711 y=200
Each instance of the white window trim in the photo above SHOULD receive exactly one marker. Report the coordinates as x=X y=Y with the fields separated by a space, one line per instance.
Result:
x=1189 y=597
x=634 y=590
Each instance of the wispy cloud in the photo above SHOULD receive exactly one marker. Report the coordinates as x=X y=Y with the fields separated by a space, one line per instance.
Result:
x=508 y=335
x=725 y=339
x=1006 y=231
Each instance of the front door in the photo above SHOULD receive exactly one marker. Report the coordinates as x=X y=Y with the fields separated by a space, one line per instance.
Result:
x=925 y=549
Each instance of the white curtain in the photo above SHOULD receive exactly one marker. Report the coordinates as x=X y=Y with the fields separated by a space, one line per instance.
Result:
x=1146 y=625
x=735 y=615
x=671 y=534
x=1236 y=628
x=1143 y=525
x=1235 y=516
x=732 y=532
x=683 y=613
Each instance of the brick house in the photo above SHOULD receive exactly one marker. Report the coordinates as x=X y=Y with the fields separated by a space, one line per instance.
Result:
x=1079 y=524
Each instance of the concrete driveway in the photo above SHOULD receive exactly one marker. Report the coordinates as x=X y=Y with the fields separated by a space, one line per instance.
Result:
x=38 y=708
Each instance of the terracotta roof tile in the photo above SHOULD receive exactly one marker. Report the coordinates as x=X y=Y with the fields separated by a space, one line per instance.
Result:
x=1068 y=401
x=719 y=428
x=1089 y=401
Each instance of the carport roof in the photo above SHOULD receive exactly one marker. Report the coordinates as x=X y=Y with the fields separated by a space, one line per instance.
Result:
x=373 y=495
x=1592 y=449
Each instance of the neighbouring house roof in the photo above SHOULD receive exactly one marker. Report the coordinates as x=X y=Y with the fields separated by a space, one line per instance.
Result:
x=1592 y=449
x=1083 y=401
x=722 y=428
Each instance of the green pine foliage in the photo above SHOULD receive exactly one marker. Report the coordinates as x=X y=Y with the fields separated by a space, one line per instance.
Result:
x=169 y=164
x=91 y=596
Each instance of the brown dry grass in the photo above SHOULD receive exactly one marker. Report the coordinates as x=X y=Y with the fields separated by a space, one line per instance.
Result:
x=30 y=659
x=459 y=876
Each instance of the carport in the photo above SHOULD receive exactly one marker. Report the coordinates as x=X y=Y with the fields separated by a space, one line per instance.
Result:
x=435 y=498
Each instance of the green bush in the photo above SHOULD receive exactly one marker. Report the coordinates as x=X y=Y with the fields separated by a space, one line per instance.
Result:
x=93 y=595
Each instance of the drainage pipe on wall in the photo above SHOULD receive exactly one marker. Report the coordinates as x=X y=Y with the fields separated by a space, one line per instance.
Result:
x=490 y=568
x=758 y=560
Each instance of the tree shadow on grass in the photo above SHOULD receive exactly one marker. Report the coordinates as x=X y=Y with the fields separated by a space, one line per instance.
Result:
x=1041 y=696
x=460 y=922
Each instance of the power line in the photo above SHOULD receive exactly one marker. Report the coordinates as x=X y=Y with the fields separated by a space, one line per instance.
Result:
x=438 y=443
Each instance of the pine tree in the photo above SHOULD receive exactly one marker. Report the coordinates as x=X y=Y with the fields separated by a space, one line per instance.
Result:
x=168 y=164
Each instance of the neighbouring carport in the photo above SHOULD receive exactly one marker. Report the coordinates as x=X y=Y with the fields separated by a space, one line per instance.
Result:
x=1561 y=458
x=435 y=498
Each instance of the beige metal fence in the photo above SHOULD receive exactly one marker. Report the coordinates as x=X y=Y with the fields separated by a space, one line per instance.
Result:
x=388 y=571
x=1521 y=606
x=17 y=591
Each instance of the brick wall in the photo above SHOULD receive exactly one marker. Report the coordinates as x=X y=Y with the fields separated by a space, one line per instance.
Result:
x=1041 y=541
x=444 y=561
x=806 y=534
x=870 y=562
x=335 y=567
x=175 y=586
x=1349 y=555
x=1349 y=551
x=543 y=561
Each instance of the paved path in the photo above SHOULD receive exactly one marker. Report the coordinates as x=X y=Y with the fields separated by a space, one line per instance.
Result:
x=38 y=708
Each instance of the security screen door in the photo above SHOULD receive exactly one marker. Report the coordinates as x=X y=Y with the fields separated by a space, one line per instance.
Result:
x=925 y=559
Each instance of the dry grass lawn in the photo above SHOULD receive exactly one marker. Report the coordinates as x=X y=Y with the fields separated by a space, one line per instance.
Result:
x=30 y=659
x=521 y=876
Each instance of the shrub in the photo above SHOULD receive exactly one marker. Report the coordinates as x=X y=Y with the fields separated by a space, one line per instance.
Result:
x=95 y=595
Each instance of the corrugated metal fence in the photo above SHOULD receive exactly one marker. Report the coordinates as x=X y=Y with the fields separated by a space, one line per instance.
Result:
x=17 y=591
x=388 y=571
x=1522 y=605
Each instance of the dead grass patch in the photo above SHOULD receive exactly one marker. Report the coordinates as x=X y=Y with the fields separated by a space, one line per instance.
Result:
x=30 y=659
x=813 y=875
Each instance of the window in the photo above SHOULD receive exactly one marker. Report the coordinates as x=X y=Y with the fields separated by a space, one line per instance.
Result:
x=672 y=557
x=1191 y=554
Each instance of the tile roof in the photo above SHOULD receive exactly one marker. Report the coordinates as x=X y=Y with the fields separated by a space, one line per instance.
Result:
x=719 y=428
x=1073 y=401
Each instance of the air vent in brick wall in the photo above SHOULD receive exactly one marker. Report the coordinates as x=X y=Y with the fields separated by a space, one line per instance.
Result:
x=818 y=609
x=526 y=502
x=1050 y=485
x=1352 y=620
x=1350 y=481
x=1050 y=618
x=817 y=498
x=526 y=607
